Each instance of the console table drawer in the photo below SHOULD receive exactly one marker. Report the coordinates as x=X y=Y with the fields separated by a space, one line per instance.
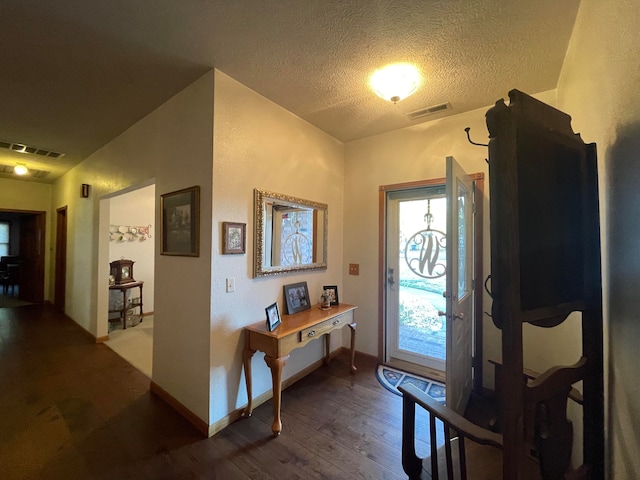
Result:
x=322 y=327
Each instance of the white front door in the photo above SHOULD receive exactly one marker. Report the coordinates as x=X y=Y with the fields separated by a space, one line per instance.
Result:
x=459 y=286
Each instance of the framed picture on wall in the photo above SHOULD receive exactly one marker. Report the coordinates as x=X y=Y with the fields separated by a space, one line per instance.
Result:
x=233 y=237
x=297 y=297
x=181 y=222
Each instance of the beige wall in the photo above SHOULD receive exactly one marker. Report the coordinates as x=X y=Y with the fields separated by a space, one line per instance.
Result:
x=260 y=145
x=599 y=86
x=33 y=196
x=174 y=146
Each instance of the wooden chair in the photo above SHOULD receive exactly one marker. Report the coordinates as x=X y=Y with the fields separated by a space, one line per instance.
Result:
x=11 y=279
x=474 y=452
x=9 y=272
x=483 y=452
x=528 y=376
x=4 y=280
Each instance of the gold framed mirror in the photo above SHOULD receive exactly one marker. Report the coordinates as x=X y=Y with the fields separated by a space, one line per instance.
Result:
x=290 y=234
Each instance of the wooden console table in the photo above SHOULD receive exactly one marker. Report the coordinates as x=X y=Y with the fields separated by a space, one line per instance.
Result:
x=294 y=331
x=123 y=311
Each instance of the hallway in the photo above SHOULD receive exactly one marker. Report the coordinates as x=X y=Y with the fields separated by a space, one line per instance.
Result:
x=73 y=409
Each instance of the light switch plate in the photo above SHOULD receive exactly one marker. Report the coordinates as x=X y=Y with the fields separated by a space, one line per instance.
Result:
x=231 y=285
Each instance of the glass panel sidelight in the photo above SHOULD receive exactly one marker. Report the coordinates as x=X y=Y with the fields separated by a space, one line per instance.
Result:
x=463 y=202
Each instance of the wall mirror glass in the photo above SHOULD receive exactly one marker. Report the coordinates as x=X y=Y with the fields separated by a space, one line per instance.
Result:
x=290 y=234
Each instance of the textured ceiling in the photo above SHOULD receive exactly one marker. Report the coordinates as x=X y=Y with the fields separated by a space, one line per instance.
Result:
x=76 y=73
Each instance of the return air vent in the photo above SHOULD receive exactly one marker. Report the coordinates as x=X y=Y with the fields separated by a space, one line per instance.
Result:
x=33 y=173
x=22 y=148
x=428 y=111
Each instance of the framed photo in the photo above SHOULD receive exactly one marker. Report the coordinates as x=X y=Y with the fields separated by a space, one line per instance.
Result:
x=273 y=316
x=332 y=290
x=233 y=237
x=297 y=297
x=181 y=222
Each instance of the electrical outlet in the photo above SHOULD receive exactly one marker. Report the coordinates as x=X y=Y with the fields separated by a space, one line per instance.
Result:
x=354 y=269
x=231 y=285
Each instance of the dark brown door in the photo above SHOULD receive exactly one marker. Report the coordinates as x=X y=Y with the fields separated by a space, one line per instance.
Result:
x=60 y=288
x=32 y=227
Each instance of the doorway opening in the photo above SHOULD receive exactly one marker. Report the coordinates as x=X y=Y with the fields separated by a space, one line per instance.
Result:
x=126 y=302
x=22 y=257
x=416 y=276
x=60 y=287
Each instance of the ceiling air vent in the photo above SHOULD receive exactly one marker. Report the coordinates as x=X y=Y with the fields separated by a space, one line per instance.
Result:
x=428 y=111
x=21 y=148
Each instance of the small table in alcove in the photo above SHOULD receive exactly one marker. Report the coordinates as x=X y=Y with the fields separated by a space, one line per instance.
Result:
x=294 y=331
x=123 y=287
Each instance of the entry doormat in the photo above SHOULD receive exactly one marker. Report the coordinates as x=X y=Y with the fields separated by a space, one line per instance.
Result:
x=391 y=378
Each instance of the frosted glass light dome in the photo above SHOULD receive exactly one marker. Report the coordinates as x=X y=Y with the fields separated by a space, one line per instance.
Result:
x=395 y=82
x=20 y=169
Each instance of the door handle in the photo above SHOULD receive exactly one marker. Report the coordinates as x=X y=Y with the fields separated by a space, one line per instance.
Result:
x=390 y=281
x=459 y=316
x=441 y=313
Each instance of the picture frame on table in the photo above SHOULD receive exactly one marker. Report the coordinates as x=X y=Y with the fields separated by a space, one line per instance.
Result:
x=296 y=296
x=332 y=290
x=180 y=227
x=273 y=316
x=233 y=238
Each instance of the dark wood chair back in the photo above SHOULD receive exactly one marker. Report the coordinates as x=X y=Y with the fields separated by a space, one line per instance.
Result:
x=471 y=448
x=466 y=445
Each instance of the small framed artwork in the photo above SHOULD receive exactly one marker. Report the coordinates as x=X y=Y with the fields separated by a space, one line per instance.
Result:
x=181 y=222
x=297 y=297
x=332 y=291
x=273 y=316
x=233 y=237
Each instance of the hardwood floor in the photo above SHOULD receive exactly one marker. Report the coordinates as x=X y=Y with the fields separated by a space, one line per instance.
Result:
x=71 y=409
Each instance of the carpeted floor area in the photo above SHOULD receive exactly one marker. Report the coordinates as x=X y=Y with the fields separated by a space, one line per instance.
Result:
x=135 y=344
x=391 y=378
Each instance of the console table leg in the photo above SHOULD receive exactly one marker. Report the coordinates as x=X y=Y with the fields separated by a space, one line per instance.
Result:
x=353 y=368
x=123 y=314
x=276 y=364
x=247 y=354
x=141 y=312
x=327 y=348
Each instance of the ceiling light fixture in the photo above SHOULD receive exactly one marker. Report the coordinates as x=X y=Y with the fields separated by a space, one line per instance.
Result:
x=20 y=169
x=395 y=82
